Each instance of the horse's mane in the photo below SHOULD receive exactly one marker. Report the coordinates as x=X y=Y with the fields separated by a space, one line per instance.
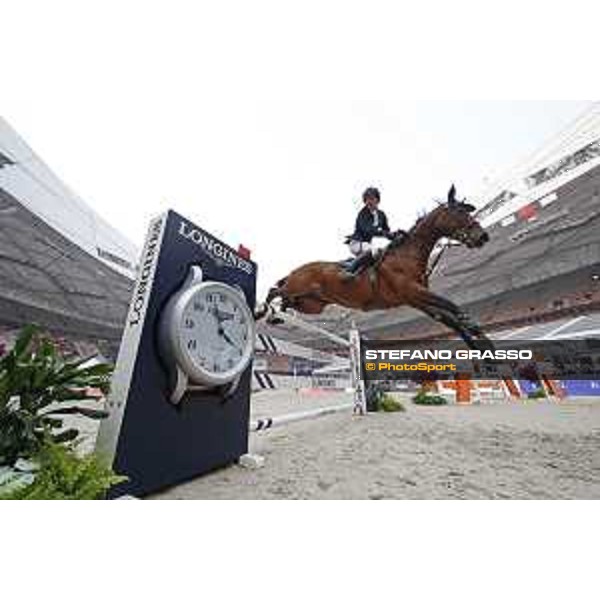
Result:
x=399 y=239
x=452 y=204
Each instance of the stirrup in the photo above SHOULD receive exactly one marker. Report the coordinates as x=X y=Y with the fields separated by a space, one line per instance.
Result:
x=357 y=266
x=353 y=275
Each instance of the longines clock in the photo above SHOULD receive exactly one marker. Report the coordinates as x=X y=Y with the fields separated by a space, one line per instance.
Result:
x=187 y=346
x=206 y=335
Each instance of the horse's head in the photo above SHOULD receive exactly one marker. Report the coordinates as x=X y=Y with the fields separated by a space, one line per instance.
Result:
x=454 y=221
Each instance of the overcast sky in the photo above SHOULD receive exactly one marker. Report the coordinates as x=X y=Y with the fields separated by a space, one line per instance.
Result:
x=260 y=123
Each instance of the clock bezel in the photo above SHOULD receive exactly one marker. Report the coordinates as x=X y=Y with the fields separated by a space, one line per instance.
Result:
x=174 y=325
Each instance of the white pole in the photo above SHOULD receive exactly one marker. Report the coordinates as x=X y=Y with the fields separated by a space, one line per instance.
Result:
x=360 y=396
x=268 y=423
x=291 y=318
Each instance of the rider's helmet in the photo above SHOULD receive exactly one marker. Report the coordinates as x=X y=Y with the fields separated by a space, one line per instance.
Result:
x=372 y=193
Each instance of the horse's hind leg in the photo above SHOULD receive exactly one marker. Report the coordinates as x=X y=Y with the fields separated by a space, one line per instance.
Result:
x=309 y=306
x=276 y=303
x=266 y=307
x=305 y=303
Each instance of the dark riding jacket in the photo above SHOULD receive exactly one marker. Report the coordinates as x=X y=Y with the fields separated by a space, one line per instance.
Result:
x=365 y=230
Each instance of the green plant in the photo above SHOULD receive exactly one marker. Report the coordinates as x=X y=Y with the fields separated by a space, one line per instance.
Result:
x=37 y=387
x=538 y=393
x=424 y=399
x=63 y=475
x=379 y=401
x=388 y=403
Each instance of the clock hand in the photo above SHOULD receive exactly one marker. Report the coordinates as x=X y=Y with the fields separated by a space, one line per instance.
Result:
x=224 y=334
x=220 y=316
x=214 y=312
x=223 y=316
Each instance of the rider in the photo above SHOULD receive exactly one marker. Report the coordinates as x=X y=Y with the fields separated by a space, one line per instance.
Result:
x=370 y=222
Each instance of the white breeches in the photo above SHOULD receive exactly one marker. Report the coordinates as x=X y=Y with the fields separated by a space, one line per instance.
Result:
x=359 y=248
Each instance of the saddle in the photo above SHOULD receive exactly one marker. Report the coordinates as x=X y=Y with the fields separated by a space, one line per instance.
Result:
x=356 y=265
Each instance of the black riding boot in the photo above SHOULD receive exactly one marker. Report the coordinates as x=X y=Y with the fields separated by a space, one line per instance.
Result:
x=355 y=268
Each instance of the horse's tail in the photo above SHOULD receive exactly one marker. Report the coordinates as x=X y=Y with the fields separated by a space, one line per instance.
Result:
x=275 y=292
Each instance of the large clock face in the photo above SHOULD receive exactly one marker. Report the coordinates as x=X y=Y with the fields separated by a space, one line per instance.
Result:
x=216 y=331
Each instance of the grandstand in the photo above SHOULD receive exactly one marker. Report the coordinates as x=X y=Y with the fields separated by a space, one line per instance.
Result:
x=61 y=265
x=66 y=269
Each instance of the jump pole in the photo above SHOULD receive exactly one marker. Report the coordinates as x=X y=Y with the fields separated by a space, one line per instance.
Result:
x=267 y=423
x=359 y=405
x=293 y=319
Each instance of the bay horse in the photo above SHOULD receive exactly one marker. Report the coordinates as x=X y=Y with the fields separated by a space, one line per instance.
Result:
x=398 y=277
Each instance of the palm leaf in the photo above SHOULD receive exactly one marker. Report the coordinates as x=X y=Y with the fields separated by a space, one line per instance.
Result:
x=92 y=413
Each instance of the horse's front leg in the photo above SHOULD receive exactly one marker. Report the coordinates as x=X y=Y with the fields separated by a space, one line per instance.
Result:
x=447 y=319
x=461 y=315
x=454 y=317
x=438 y=308
x=453 y=309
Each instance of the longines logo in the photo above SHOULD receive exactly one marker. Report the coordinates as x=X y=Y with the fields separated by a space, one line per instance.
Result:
x=223 y=256
x=146 y=268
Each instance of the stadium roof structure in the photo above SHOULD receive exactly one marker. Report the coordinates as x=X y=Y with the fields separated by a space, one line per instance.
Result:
x=61 y=265
x=566 y=156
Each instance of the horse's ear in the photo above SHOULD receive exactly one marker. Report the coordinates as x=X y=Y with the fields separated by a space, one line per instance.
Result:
x=468 y=207
x=452 y=195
